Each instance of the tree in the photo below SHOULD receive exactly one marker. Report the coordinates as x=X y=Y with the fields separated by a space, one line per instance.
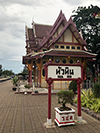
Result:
x=0 y=70
x=90 y=27
x=7 y=72
x=24 y=72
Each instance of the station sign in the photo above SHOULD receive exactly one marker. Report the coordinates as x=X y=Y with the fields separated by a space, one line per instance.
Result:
x=63 y=72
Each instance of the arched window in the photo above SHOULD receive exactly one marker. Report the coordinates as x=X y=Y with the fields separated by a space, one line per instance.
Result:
x=57 y=60
x=33 y=62
x=43 y=72
x=71 y=61
x=29 y=61
x=63 y=61
x=43 y=62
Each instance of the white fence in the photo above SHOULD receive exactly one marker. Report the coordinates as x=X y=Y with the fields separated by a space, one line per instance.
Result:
x=87 y=84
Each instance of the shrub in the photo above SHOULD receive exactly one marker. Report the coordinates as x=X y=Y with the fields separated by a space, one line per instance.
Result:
x=96 y=90
x=96 y=105
x=65 y=97
x=27 y=86
x=88 y=100
x=98 y=79
x=73 y=86
x=15 y=80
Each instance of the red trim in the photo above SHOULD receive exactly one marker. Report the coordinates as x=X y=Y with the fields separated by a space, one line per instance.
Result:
x=69 y=43
x=64 y=122
x=83 y=55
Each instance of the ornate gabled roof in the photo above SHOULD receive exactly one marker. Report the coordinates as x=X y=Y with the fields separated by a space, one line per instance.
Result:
x=59 y=52
x=68 y=24
x=61 y=19
x=74 y=31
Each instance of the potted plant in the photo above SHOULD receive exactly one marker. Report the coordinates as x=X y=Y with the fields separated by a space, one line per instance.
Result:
x=64 y=115
x=27 y=87
x=15 y=81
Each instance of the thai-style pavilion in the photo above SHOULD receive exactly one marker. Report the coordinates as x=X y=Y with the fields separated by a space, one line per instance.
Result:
x=62 y=43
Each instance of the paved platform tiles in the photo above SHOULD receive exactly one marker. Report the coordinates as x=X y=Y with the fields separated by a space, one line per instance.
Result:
x=27 y=114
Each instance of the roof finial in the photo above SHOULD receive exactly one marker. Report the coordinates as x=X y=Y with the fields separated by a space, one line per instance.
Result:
x=60 y=11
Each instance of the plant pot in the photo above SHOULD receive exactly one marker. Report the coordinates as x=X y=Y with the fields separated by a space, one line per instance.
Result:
x=64 y=117
x=14 y=88
x=25 y=92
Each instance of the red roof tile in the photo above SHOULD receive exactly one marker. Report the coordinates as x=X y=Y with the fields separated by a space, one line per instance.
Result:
x=41 y=30
x=30 y=34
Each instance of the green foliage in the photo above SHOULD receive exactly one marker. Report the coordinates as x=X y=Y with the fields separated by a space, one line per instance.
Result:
x=25 y=70
x=96 y=105
x=0 y=70
x=73 y=86
x=89 y=101
x=96 y=90
x=87 y=98
x=90 y=27
x=7 y=72
x=98 y=79
x=15 y=80
x=65 y=97
x=27 y=86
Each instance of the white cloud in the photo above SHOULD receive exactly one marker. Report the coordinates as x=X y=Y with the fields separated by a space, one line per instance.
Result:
x=21 y=2
x=16 y=58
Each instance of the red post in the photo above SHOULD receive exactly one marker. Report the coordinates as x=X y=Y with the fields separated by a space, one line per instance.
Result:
x=79 y=99
x=79 y=81
x=49 y=81
x=39 y=78
x=30 y=78
x=49 y=101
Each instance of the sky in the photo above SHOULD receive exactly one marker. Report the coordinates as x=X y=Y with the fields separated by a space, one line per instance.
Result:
x=15 y=14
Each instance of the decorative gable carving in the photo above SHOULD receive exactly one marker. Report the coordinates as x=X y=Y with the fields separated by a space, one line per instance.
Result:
x=68 y=36
x=60 y=29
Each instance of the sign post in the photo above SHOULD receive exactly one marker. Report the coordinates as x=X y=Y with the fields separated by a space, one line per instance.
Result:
x=63 y=72
x=79 y=117
x=49 y=81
